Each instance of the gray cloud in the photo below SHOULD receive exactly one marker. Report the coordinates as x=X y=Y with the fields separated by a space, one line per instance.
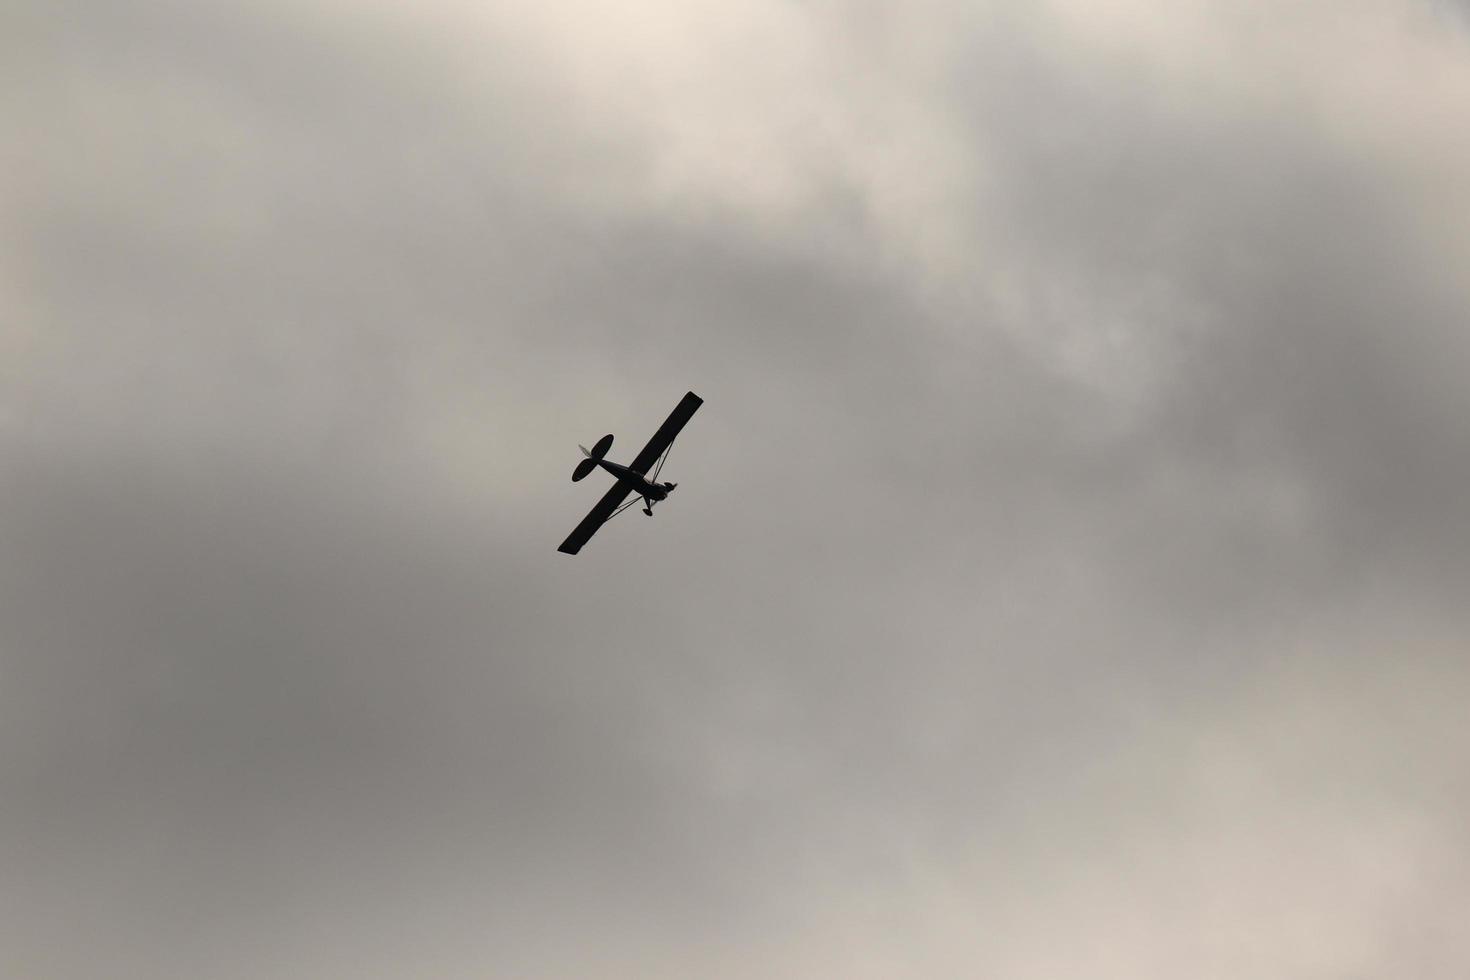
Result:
x=1065 y=573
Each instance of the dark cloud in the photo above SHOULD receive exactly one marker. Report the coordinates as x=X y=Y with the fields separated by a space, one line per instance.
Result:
x=1065 y=572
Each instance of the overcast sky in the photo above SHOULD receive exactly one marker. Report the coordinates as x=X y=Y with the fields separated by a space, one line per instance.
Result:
x=1068 y=572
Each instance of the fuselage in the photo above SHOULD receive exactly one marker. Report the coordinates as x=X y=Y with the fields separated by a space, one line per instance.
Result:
x=639 y=483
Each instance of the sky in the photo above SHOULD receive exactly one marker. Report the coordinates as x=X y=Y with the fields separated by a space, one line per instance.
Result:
x=1067 y=572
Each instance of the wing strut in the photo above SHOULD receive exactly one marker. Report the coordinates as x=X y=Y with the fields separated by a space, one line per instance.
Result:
x=662 y=460
x=630 y=502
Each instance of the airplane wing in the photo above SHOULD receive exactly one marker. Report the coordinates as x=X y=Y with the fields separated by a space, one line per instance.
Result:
x=665 y=435
x=595 y=518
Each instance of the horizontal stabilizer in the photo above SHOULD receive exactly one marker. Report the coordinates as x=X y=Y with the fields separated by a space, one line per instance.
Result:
x=583 y=468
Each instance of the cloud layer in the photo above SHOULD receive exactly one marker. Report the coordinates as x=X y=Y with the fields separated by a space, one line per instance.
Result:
x=1066 y=574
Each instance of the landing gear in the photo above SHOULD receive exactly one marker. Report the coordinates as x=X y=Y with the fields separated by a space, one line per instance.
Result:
x=648 y=506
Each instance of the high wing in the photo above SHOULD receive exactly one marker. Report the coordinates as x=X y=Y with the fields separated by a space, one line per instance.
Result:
x=664 y=437
x=595 y=518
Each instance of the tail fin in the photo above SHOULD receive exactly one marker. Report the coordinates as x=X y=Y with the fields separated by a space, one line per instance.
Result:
x=593 y=455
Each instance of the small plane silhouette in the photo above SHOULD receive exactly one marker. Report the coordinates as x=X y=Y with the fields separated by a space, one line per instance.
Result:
x=632 y=478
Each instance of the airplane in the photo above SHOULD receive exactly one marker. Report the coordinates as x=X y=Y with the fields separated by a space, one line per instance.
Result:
x=632 y=478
